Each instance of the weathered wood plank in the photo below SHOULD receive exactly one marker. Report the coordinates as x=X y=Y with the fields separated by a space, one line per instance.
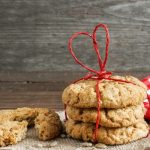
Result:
x=21 y=89
x=52 y=81
x=50 y=99
x=56 y=76
x=34 y=34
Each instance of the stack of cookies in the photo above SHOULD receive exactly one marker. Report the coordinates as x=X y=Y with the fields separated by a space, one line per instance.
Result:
x=121 y=114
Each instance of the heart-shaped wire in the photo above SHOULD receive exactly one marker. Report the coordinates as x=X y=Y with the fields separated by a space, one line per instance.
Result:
x=101 y=63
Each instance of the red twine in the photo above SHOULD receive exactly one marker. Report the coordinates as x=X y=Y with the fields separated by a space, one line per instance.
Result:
x=97 y=75
x=146 y=81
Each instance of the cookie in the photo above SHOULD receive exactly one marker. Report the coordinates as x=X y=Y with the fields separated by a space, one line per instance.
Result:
x=113 y=94
x=28 y=114
x=6 y=115
x=110 y=136
x=11 y=132
x=108 y=117
x=25 y=113
x=41 y=110
x=48 y=125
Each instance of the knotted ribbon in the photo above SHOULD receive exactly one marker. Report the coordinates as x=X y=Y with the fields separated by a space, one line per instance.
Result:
x=97 y=75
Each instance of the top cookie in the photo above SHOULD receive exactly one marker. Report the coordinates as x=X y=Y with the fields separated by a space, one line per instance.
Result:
x=113 y=94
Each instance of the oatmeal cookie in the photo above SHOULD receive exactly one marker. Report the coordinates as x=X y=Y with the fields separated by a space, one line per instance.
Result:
x=113 y=94
x=25 y=113
x=48 y=125
x=6 y=115
x=108 y=117
x=28 y=114
x=110 y=136
x=41 y=110
x=11 y=132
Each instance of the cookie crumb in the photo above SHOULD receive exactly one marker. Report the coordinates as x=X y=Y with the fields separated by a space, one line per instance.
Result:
x=54 y=143
x=68 y=136
x=86 y=144
x=39 y=145
x=93 y=148
x=86 y=148
x=100 y=145
x=29 y=147
x=79 y=148
x=62 y=135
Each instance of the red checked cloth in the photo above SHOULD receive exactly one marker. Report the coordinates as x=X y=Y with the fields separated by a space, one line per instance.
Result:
x=146 y=81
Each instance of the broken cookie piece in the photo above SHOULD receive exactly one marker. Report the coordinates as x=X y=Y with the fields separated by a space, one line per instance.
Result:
x=48 y=125
x=11 y=132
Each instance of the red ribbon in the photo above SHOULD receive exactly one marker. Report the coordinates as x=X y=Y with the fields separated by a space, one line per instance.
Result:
x=146 y=81
x=97 y=75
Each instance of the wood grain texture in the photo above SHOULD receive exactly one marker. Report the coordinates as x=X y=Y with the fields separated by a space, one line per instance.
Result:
x=40 y=90
x=34 y=33
x=35 y=65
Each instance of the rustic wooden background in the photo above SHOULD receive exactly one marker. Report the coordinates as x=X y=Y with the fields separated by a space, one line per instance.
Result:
x=35 y=64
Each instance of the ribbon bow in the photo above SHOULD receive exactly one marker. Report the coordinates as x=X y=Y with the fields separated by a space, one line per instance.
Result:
x=97 y=75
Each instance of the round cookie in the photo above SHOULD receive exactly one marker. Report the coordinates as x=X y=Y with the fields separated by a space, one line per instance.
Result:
x=108 y=117
x=48 y=125
x=110 y=136
x=114 y=94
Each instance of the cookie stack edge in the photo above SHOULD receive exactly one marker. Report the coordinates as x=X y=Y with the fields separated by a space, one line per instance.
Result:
x=122 y=111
